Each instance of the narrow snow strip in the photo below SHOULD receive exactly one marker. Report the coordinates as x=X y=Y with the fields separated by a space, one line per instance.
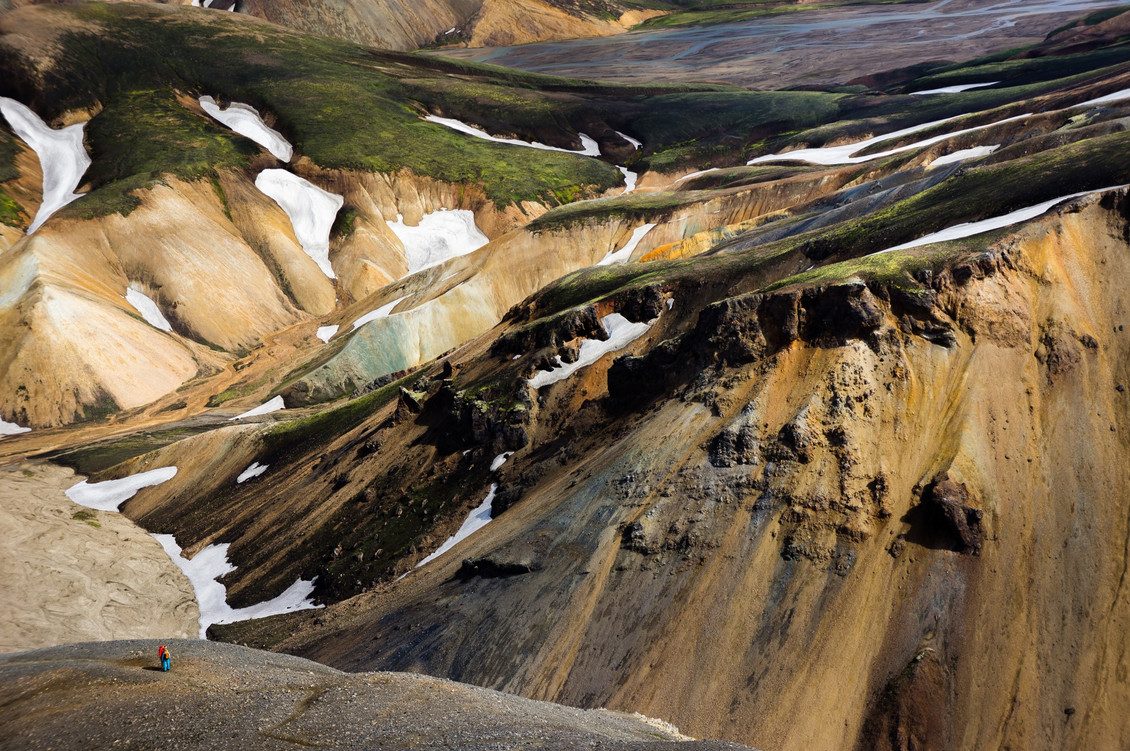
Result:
x=959 y=231
x=475 y=521
x=589 y=147
x=835 y=155
x=382 y=312
x=245 y=120
x=638 y=144
x=254 y=470
x=630 y=179
x=621 y=332
x=440 y=236
x=272 y=406
x=11 y=428
x=961 y=156
x=625 y=253
x=148 y=309
x=211 y=596
x=1116 y=96
x=700 y=173
x=325 y=333
x=62 y=157
x=109 y=495
x=500 y=460
x=954 y=89
x=311 y=211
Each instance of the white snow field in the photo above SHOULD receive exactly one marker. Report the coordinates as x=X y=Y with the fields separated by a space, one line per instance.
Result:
x=245 y=120
x=621 y=332
x=500 y=460
x=266 y=408
x=148 y=309
x=589 y=147
x=382 y=312
x=968 y=229
x=440 y=236
x=630 y=179
x=11 y=428
x=625 y=253
x=311 y=211
x=211 y=596
x=638 y=144
x=961 y=156
x=475 y=521
x=325 y=333
x=109 y=495
x=62 y=156
x=954 y=89
x=254 y=470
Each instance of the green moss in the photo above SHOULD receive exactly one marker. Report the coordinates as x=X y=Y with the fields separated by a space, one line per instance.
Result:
x=86 y=516
x=11 y=213
x=97 y=457
x=633 y=206
x=8 y=150
x=345 y=223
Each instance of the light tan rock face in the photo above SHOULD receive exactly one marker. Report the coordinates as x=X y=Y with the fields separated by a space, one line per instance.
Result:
x=392 y=24
x=504 y=23
x=91 y=577
x=886 y=526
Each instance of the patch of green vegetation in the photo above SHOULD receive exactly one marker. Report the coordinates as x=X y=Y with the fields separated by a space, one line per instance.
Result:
x=8 y=150
x=96 y=457
x=345 y=223
x=630 y=206
x=1092 y=20
x=27 y=473
x=86 y=516
x=236 y=391
x=284 y=437
x=11 y=213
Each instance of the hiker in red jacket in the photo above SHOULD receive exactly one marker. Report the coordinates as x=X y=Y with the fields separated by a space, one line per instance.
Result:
x=163 y=656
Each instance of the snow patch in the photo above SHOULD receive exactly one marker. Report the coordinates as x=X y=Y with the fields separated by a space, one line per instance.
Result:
x=245 y=120
x=311 y=211
x=272 y=406
x=954 y=89
x=500 y=460
x=382 y=312
x=440 y=236
x=209 y=565
x=625 y=253
x=834 y=155
x=589 y=147
x=700 y=173
x=254 y=470
x=959 y=231
x=109 y=495
x=325 y=333
x=961 y=156
x=11 y=428
x=62 y=156
x=630 y=179
x=621 y=332
x=148 y=309
x=475 y=521
x=638 y=144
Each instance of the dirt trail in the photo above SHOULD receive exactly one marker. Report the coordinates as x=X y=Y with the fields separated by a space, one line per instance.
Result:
x=65 y=579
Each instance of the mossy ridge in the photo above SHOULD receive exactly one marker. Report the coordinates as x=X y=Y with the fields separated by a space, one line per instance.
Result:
x=714 y=12
x=98 y=457
x=633 y=206
x=980 y=193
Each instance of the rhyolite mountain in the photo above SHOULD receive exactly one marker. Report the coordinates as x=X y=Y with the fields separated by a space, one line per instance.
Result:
x=801 y=462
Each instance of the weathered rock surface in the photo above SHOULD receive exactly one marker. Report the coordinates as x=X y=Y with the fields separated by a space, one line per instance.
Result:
x=224 y=696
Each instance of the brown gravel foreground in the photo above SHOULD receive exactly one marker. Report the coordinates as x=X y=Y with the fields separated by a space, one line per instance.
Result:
x=66 y=578
x=110 y=694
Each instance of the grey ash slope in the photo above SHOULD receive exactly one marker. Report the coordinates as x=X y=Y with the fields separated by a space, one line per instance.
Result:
x=98 y=695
